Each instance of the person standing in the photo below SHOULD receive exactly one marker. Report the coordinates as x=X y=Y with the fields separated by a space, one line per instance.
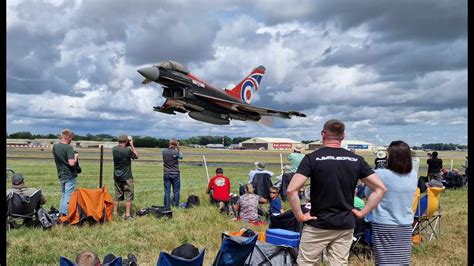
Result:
x=66 y=160
x=435 y=165
x=334 y=172
x=295 y=157
x=393 y=217
x=171 y=174
x=123 y=153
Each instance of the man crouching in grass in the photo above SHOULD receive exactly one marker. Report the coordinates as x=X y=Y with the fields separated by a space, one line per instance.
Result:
x=219 y=190
x=123 y=178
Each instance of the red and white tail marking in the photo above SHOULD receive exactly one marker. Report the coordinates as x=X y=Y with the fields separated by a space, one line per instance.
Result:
x=243 y=90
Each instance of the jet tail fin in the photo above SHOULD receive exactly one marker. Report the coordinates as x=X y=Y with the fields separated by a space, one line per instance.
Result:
x=243 y=90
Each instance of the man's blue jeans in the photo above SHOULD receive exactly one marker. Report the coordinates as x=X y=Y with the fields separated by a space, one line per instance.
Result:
x=168 y=181
x=67 y=187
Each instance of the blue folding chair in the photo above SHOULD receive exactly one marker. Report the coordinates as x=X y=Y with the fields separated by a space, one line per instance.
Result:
x=63 y=261
x=166 y=259
x=235 y=250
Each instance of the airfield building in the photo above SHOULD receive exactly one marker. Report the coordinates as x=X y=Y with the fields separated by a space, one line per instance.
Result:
x=269 y=144
x=357 y=145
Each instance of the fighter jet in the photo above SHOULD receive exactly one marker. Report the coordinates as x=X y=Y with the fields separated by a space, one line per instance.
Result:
x=186 y=93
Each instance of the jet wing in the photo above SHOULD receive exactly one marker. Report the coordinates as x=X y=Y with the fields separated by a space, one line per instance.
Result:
x=243 y=107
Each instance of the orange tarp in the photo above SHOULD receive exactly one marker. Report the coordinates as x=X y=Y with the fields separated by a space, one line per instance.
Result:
x=95 y=203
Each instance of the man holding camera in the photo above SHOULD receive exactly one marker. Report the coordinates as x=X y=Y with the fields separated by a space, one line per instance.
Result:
x=123 y=178
x=171 y=173
x=66 y=163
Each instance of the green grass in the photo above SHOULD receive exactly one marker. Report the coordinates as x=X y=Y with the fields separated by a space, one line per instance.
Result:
x=147 y=236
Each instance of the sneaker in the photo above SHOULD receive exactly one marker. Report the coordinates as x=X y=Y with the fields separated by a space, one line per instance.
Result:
x=132 y=260
x=126 y=218
x=221 y=206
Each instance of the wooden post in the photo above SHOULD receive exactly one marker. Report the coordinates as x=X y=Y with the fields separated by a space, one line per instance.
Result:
x=451 y=164
x=101 y=164
x=281 y=164
x=205 y=164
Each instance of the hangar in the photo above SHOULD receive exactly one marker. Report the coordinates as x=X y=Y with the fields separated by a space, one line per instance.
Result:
x=269 y=144
x=357 y=145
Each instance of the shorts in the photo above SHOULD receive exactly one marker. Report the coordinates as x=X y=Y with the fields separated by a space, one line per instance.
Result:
x=124 y=190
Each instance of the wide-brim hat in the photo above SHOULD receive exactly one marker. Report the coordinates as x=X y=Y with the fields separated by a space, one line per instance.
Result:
x=381 y=154
x=298 y=147
x=286 y=167
x=260 y=165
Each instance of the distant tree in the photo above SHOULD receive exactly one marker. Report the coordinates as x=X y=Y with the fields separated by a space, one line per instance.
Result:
x=21 y=135
x=238 y=140
x=307 y=141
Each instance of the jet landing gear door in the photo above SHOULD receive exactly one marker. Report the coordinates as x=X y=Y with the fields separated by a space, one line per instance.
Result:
x=175 y=93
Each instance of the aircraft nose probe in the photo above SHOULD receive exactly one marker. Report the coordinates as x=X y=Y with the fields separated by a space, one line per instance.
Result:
x=150 y=73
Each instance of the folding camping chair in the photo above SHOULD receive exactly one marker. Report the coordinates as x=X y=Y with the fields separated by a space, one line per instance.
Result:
x=166 y=259
x=362 y=239
x=427 y=215
x=21 y=207
x=270 y=254
x=234 y=250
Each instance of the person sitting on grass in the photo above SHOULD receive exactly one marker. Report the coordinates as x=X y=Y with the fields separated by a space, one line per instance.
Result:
x=275 y=201
x=87 y=258
x=248 y=205
x=219 y=190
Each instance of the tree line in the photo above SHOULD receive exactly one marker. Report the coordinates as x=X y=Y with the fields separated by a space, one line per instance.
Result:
x=441 y=147
x=148 y=141
x=139 y=141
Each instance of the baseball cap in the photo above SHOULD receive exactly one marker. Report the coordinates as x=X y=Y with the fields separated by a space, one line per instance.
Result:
x=17 y=179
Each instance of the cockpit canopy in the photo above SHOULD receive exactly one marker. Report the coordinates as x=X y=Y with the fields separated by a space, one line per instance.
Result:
x=172 y=65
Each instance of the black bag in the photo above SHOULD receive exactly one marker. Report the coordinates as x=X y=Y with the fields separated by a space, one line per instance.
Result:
x=193 y=200
x=78 y=168
x=44 y=218
x=161 y=211
x=187 y=251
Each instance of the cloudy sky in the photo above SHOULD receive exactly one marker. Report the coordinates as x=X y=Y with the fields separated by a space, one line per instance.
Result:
x=388 y=69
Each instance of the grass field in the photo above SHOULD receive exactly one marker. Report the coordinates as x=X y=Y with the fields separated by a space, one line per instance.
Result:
x=146 y=236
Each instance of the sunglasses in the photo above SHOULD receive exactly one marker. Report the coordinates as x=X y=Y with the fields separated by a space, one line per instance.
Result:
x=271 y=192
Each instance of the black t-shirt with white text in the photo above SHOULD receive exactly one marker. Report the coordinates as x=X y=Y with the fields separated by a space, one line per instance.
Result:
x=334 y=173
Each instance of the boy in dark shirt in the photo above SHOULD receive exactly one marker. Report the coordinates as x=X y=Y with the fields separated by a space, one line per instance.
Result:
x=275 y=202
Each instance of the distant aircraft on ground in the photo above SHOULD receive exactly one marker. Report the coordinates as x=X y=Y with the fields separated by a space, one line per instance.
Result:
x=186 y=93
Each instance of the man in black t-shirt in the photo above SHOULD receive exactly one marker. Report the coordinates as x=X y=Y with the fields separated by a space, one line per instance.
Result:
x=434 y=167
x=123 y=154
x=334 y=173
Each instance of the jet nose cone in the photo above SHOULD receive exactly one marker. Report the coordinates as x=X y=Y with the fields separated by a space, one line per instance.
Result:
x=151 y=73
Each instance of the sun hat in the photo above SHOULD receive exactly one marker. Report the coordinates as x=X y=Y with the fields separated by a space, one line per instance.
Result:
x=381 y=154
x=298 y=147
x=260 y=165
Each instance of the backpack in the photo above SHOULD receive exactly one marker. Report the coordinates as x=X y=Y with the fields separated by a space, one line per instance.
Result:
x=44 y=218
x=193 y=200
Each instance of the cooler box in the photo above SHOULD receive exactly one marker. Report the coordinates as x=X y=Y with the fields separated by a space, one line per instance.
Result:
x=279 y=236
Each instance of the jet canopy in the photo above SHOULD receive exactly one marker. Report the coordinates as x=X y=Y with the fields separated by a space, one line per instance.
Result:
x=172 y=65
